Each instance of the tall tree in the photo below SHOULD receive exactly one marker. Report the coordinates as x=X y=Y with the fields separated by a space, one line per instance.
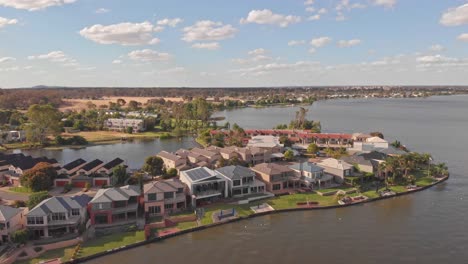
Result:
x=44 y=120
x=40 y=177
x=153 y=166
x=120 y=175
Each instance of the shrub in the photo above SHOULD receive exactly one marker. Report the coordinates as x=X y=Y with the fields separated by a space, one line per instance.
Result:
x=38 y=249
x=67 y=187
x=36 y=198
x=19 y=203
x=20 y=236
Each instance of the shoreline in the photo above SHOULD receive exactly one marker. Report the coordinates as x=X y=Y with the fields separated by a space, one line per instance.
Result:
x=243 y=218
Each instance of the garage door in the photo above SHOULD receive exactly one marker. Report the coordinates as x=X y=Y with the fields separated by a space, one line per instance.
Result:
x=100 y=182
x=60 y=183
x=79 y=184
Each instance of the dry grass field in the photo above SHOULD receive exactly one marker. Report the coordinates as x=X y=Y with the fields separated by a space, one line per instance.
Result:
x=79 y=104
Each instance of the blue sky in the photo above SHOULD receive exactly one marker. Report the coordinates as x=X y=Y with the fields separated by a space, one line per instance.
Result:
x=233 y=43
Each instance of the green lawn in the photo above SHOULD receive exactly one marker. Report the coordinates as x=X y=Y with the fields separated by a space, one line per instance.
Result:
x=21 y=189
x=63 y=253
x=109 y=242
x=290 y=201
x=344 y=188
x=424 y=181
x=242 y=210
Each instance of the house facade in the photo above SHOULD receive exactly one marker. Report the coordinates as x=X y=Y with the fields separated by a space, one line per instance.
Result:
x=338 y=168
x=205 y=185
x=163 y=197
x=114 y=206
x=57 y=216
x=277 y=178
x=121 y=124
x=241 y=181
x=11 y=220
x=172 y=161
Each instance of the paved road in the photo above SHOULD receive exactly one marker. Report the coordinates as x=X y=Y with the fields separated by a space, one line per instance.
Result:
x=12 y=195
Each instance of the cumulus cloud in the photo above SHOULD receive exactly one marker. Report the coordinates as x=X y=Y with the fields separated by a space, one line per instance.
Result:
x=320 y=42
x=349 y=43
x=259 y=51
x=147 y=55
x=127 y=34
x=463 y=37
x=455 y=16
x=267 y=17
x=207 y=30
x=314 y=17
x=385 y=3
x=296 y=42
x=300 y=66
x=116 y=61
x=207 y=46
x=102 y=11
x=440 y=61
x=171 y=22
x=34 y=5
x=309 y=2
x=254 y=56
x=53 y=56
x=436 y=47
x=7 y=59
x=6 y=21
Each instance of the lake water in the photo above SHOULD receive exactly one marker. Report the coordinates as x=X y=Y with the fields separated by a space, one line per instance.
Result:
x=427 y=227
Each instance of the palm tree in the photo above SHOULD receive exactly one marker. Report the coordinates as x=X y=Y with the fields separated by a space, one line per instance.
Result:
x=383 y=166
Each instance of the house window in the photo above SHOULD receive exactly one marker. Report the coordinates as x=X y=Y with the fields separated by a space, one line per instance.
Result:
x=245 y=190
x=152 y=197
x=236 y=183
x=2 y=226
x=168 y=195
x=236 y=192
x=276 y=187
x=168 y=206
x=32 y=220
x=154 y=209
x=58 y=216
x=180 y=190
x=75 y=212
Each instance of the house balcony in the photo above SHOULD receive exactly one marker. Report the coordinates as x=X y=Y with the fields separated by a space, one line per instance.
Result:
x=129 y=208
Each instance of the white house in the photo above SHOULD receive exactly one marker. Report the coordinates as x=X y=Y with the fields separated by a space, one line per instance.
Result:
x=121 y=124
x=337 y=168
x=205 y=184
x=241 y=181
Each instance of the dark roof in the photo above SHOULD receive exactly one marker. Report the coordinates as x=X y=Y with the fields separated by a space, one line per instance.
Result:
x=82 y=200
x=374 y=155
x=74 y=164
x=92 y=164
x=111 y=164
x=355 y=159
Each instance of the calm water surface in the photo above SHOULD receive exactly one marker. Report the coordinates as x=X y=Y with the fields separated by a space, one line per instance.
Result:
x=427 y=227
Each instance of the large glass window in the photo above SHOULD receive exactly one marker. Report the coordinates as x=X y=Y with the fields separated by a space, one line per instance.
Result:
x=236 y=183
x=276 y=187
x=154 y=209
x=168 y=195
x=152 y=197
x=75 y=212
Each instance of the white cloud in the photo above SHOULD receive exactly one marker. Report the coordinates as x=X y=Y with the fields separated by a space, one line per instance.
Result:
x=9 y=69
x=300 y=66
x=208 y=30
x=171 y=22
x=440 y=61
x=436 y=47
x=463 y=37
x=314 y=17
x=53 y=56
x=385 y=3
x=7 y=59
x=147 y=55
x=5 y=21
x=455 y=16
x=34 y=5
x=310 y=9
x=259 y=51
x=116 y=61
x=207 y=46
x=320 y=42
x=312 y=50
x=267 y=17
x=102 y=11
x=296 y=42
x=349 y=43
x=309 y=2
x=126 y=34
x=322 y=11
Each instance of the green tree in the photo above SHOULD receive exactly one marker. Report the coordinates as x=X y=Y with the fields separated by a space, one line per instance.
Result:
x=44 y=120
x=121 y=102
x=153 y=166
x=20 y=236
x=312 y=148
x=171 y=173
x=289 y=155
x=40 y=177
x=129 y=130
x=133 y=105
x=36 y=198
x=120 y=175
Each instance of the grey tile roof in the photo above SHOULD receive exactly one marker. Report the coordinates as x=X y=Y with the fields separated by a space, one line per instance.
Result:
x=7 y=212
x=236 y=172
x=171 y=185
x=116 y=194
x=57 y=204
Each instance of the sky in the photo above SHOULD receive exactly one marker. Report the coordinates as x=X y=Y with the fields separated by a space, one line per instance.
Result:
x=213 y=43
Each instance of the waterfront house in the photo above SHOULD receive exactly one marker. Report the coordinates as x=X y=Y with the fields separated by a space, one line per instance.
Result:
x=210 y=157
x=71 y=167
x=90 y=167
x=57 y=216
x=163 y=197
x=122 y=124
x=19 y=164
x=204 y=184
x=229 y=153
x=337 y=168
x=115 y=206
x=172 y=161
x=241 y=181
x=270 y=143
x=11 y=220
x=370 y=144
x=311 y=175
x=254 y=155
x=363 y=164
x=277 y=178
x=83 y=175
